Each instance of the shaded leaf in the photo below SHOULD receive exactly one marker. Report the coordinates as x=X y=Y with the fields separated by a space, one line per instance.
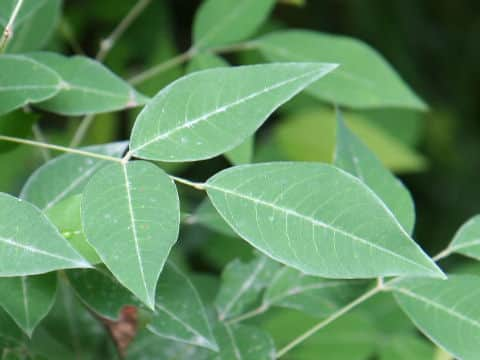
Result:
x=29 y=243
x=363 y=80
x=131 y=216
x=221 y=22
x=87 y=86
x=317 y=219
x=406 y=347
x=28 y=299
x=210 y=112
x=206 y=60
x=354 y=157
x=99 y=290
x=66 y=175
x=242 y=284
x=24 y=81
x=65 y=215
x=310 y=294
x=179 y=312
x=445 y=311
x=206 y=215
x=467 y=239
x=16 y=124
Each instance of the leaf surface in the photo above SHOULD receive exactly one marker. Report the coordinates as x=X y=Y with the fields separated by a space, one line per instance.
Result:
x=28 y=299
x=354 y=157
x=364 y=79
x=66 y=175
x=210 y=112
x=131 y=216
x=445 y=311
x=242 y=284
x=221 y=22
x=179 y=312
x=317 y=219
x=88 y=87
x=467 y=239
x=24 y=81
x=29 y=243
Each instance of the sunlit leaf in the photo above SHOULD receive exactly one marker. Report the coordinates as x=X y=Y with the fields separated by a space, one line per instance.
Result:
x=317 y=219
x=467 y=239
x=363 y=80
x=87 y=86
x=446 y=311
x=29 y=243
x=131 y=216
x=210 y=112
x=24 y=81
x=221 y=22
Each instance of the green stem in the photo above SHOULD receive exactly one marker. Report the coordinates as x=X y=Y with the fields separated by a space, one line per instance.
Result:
x=58 y=148
x=195 y=185
x=81 y=130
x=109 y=42
x=255 y=312
x=38 y=134
x=367 y=295
x=8 y=31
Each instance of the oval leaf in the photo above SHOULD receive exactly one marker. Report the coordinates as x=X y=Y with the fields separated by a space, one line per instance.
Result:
x=446 y=311
x=354 y=157
x=66 y=175
x=363 y=80
x=88 y=87
x=131 y=216
x=24 y=81
x=179 y=312
x=28 y=299
x=242 y=284
x=29 y=243
x=467 y=239
x=209 y=112
x=221 y=22
x=317 y=219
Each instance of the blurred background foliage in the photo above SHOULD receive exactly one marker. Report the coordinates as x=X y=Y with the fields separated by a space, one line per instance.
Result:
x=433 y=44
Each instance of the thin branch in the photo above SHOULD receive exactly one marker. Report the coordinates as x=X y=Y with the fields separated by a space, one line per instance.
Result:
x=195 y=185
x=255 y=312
x=109 y=42
x=59 y=148
x=8 y=31
x=38 y=135
x=244 y=46
x=81 y=130
x=164 y=66
x=443 y=254
x=328 y=320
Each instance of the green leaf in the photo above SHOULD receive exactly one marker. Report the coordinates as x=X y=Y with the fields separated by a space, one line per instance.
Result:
x=242 y=284
x=243 y=153
x=100 y=291
x=33 y=15
x=354 y=157
x=134 y=206
x=297 y=137
x=364 y=79
x=29 y=243
x=406 y=347
x=66 y=216
x=210 y=112
x=445 y=311
x=179 y=312
x=10 y=333
x=206 y=215
x=243 y=342
x=317 y=219
x=16 y=124
x=467 y=239
x=28 y=299
x=319 y=297
x=87 y=86
x=222 y=22
x=25 y=81
x=66 y=175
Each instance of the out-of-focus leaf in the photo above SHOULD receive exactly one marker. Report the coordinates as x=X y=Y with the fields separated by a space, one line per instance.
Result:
x=16 y=124
x=467 y=239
